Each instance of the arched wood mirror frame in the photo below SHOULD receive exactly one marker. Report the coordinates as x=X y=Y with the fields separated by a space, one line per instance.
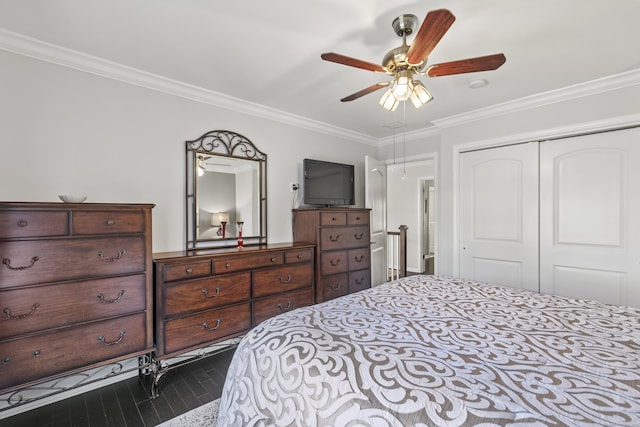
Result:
x=226 y=174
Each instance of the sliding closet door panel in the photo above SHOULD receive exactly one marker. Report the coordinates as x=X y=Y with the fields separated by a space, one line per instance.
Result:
x=499 y=215
x=590 y=217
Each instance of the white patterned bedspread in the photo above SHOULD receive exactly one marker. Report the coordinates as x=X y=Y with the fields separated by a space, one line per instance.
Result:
x=434 y=351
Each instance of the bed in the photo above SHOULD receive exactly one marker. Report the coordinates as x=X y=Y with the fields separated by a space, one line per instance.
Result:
x=438 y=351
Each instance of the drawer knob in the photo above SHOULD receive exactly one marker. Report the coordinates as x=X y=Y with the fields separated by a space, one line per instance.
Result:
x=358 y=236
x=111 y=301
x=36 y=353
x=111 y=221
x=357 y=218
x=334 y=262
x=227 y=265
x=359 y=258
x=284 y=308
x=299 y=256
x=205 y=325
x=336 y=286
x=206 y=293
x=6 y=360
x=189 y=270
x=333 y=218
x=273 y=259
x=118 y=341
x=22 y=223
x=7 y=262
x=284 y=281
x=7 y=311
x=121 y=252
x=334 y=239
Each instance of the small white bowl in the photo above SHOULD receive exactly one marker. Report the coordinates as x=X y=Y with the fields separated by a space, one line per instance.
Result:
x=72 y=198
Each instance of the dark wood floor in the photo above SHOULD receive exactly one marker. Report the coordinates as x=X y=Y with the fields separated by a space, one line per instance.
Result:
x=127 y=403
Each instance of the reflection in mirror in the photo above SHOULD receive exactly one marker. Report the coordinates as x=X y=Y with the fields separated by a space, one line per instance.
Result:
x=226 y=184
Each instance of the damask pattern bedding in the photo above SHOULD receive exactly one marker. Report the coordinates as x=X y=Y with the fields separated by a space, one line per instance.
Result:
x=435 y=351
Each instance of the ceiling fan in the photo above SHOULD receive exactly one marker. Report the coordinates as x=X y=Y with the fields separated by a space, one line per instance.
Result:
x=405 y=62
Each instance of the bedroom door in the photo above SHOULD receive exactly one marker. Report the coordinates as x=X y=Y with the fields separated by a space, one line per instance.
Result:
x=590 y=217
x=375 y=199
x=499 y=215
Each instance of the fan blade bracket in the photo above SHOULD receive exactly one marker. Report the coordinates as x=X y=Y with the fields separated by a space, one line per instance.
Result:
x=352 y=62
x=469 y=65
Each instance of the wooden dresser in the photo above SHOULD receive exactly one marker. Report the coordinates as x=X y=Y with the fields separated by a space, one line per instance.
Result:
x=343 y=255
x=75 y=288
x=208 y=295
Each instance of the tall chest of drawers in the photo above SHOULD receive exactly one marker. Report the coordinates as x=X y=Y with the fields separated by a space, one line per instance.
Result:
x=75 y=288
x=206 y=296
x=343 y=256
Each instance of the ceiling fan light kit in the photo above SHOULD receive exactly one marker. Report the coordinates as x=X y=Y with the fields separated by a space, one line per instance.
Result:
x=407 y=61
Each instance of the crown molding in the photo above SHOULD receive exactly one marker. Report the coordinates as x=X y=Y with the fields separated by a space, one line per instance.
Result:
x=38 y=49
x=592 y=87
x=43 y=51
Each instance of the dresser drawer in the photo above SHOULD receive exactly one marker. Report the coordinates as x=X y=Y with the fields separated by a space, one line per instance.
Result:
x=344 y=237
x=202 y=294
x=247 y=262
x=46 y=307
x=334 y=286
x=31 y=358
x=15 y=224
x=359 y=280
x=333 y=218
x=359 y=258
x=333 y=262
x=301 y=255
x=186 y=270
x=30 y=262
x=281 y=279
x=276 y=304
x=212 y=325
x=107 y=222
x=358 y=218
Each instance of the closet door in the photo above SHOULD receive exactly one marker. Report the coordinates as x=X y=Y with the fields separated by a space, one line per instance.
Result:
x=590 y=217
x=499 y=215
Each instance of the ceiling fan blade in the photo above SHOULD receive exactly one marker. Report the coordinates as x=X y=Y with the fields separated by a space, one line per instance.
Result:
x=352 y=62
x=434 y=26
x=470 y=65
x=364 y=92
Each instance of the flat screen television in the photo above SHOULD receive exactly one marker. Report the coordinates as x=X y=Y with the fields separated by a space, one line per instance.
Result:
x=328 y=183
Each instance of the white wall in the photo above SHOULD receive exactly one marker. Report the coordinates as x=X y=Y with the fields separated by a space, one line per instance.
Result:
x=581 y=111
x=67 y=131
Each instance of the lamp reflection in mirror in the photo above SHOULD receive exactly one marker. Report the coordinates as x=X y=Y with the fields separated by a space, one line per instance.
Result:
x=402 y=89
x=220 y=219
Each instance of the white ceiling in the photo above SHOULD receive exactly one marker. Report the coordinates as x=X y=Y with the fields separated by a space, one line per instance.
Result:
x=268 y=52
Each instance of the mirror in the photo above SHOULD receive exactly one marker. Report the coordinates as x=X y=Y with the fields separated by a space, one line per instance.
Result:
x=226 y=186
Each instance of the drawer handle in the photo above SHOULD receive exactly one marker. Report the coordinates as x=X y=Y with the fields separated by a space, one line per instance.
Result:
x=115 y=258
x=358 y=236
x=206 y=293
x=282 y=281
x=111 y=221
x=359 y=281
x=7 y=311
x=22 y=223
x=334 y=239
x=336 y=286
x=299 y=256
x=189 y=270
x=283 y=309
x=333 y=218
x=334 y=262
x=206 y=326
x=118 y=341
x=357 y=218
x=36 y=353
x=7 y=262
x=6 y=360
x=111 y=301
x=359 y=258
x=227 y=265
